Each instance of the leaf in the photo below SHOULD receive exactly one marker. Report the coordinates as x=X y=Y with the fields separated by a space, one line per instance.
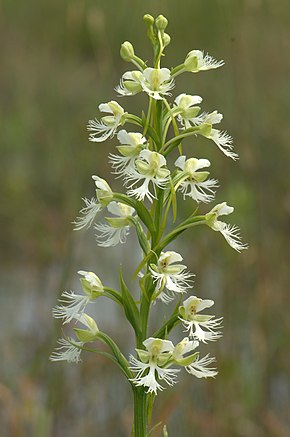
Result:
x=130 y=307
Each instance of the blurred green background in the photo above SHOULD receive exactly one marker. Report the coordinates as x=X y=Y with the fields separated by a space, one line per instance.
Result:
x=59 y=60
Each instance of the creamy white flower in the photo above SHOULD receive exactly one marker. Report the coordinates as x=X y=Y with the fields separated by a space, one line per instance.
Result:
x=201 y=327
x=170 y=276
x=87 y=214
x=71 y=306
x=67 y=351
x=230 y=232
x=199 y=367
x=131 y=145
x=92 y=281
x=152 y=365
x=196 y=61
x=94 y=205
x=149 y=167
x=185 y=107
x=195 y=183
x=116 y=229
x=221 y=138
x=74 y=305
x=106 y=128
x=156 y=82
x=183 y=348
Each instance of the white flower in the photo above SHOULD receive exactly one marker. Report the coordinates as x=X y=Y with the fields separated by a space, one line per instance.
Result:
x=67 y=351
x=106 y=128
x=74 y=305
x=194 y=183
x=152 y=365
x=131 y=145
x=71 y=306
x=94 y=205
x=117 y=229
x=170 y=276
x=198 y=367
x=221 y=138
x=185 y=107
x=182 y=348
x=230 y=232
x=91 y=281
x=149 y=167
x=194 y=322
x=156 y=82
x=196 y=61
x=88 y=214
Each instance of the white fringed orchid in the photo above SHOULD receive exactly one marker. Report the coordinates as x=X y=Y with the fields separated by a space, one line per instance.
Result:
x=196 y=61
x=131 y=145
x=94 y=205
x=201 y=327
x=221 y=138
x=194 y=182
x=149 y=167
x=74 y=305
x=152 y=365
x=106 y=128
x=185 y=107
x=230 y=232
x=182 y=355
x=67 y=351
x=170 y=276
x=116 y=229
x=156 y=82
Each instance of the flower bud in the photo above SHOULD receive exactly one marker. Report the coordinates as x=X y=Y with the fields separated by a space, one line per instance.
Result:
x=166 y=39
x=161 y=23
x=148 y=19
x=127 y=51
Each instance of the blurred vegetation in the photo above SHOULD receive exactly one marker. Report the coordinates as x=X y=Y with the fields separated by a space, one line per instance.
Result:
x=59 y=60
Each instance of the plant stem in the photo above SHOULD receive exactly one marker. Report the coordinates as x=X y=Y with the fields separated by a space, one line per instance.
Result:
x=140 y=412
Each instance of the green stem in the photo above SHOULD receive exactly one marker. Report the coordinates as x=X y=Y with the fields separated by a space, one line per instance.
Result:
x=140 y=412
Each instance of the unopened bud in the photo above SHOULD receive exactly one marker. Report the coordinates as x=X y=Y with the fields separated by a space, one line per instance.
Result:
x=127 y=51
x=161 y=22
x=148 y=19
x=166 y=39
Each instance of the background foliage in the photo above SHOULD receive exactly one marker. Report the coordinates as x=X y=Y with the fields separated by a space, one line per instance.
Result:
x=59 y=59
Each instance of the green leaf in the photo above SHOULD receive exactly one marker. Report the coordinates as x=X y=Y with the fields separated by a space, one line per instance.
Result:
x=130 y=307
x=173 y=200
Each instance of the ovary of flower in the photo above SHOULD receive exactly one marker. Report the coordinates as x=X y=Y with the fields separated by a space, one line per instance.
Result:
x=156 y=82
x=173 y=277
x=196 y=61
x=131 y=145
x=185 y=107
x=221 y=138
x=67 y=351
x=106 y=128
x=230 y=232
x=194 y=182
x=152 y=365
x=149 y=167
x=194 y=322
x=117 y=229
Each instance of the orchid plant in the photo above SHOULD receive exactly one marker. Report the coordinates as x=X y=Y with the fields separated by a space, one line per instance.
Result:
x=150 y=208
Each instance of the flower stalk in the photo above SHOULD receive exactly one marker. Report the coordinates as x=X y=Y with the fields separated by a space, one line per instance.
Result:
x=149 y=209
